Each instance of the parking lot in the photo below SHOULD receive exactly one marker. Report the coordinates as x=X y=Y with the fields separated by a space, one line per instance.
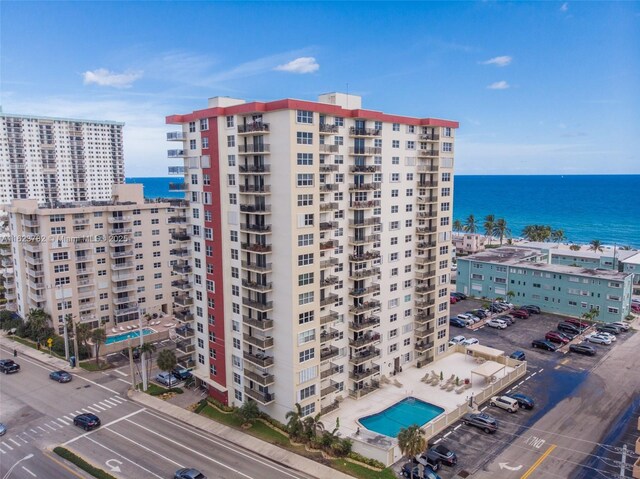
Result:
x=552 y=376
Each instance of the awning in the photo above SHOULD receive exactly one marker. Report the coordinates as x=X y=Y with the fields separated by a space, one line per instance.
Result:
x=199 y=374
x=485 y=351
x=488 y=369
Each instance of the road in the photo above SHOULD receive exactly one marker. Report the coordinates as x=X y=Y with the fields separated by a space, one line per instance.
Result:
x=132 y=442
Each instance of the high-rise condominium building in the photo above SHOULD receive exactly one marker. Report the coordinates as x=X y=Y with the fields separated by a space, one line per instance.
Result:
x=319 y=237
x=104 y=262
x=59 y=159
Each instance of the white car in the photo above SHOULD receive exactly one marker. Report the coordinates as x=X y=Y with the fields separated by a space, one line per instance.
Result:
x=466 y=318
x=504 y=402
x=597 y=339
x=497 y=323
x=457 y=339
x=475 y=319
x=622 y=325
x=610 y=336
x=470 y=341
x=506 y=303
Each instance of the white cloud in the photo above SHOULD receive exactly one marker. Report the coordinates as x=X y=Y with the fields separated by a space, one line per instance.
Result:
x=104 y=77
x=501 y=61
x=564 y=7
x=300 y=65
x=499 y=85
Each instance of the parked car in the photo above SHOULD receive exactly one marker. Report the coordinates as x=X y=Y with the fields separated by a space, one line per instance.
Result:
x=525 y=402
x=557 y=337
x=502 y=306
x=470 y=341
x=87 y=421
x=497 y=323
x=506 y=303
x=428 y=459
x=466 y=318
x=457 y=339
x=635 y=307
x=531 y=308
x=135 y=353
x=582 y=348
x=612 y=337
x=181 y=373
x=608 y=328
x=622 y=325
x=166 y=379
x=519 y=355
x=188 y=473
x=3 y=429
x=598 y=339
x=543 y=344
x=460 y=296
x=412 y=470
x=480 y=313
x=577 y=323
x=504 y=402
x=507 y=319
x=8 y=366
x=520 y=313
x=568 y=328
x=483 y=421
x=458 y=323
x=446 y=455
x=453 y=300
x=60 y=376
x=494 y=308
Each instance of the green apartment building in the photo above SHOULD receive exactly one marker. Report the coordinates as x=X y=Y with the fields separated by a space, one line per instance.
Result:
x=556 y=288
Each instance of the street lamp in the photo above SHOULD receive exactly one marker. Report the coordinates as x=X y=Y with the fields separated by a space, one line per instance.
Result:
x=143 y=356
x=64 y=320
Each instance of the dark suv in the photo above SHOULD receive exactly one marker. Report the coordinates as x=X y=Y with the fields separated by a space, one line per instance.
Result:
x=8 y=366
x=482 y=421
x=568 y=328
x=87 y=421
x=412 y=470
x=446 y=455
x=181 y=373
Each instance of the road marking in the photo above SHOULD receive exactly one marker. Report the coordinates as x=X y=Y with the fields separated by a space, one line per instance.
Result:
x=534 y=374
x=41 y=428
x=541 y=369
x=509 y=391
x=118 y=400
x=91 y=409
x=443 y=437
x=32 y=474
x=120 y=372
x=564 y=361
x=527 y=378
x=484 y=408
x=7 y=446
x=457 y=427
x=105 y=404
x=146 y=448
x=520 y=383
x=2 y=451
x=123 y=380
x=52 y=428
x=104 y=426
x=15 y=442
x=111 y=402
x=99 y=407
x=68 y=418
x=23 y=439
x=437 y=440
x=557 y=367
x=125 y=458
x=535 y=465
x=34 y=431
x=64 y=423
x=204 y=456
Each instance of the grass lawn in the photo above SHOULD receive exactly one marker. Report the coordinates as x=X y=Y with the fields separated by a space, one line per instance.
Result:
x=361 y=472
x=155 y=390
x=91 y=365
x=32 y=344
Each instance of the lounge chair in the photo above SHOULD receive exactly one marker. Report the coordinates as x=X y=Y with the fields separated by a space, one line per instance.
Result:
x=122 y=329
x=114 y=330
x=460 y=390
x=129 y=328
x=450 y=387
x=468 y=385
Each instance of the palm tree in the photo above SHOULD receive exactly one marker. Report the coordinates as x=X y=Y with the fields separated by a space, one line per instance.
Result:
x=536 y=232
x=574 y=247
x=83 y=331
x=489 y=224
x=37 y=323
x=144 y=349
x=510 y=295
x=596 y=245
x=500 y=229
x=411 y=441
x=98 y=336
x=295 y=427
x=166 y=360
x=626 y=248
x=312 y=426
x=457 y=226
x=557 y=236
x=248 y=412
x=470 y=225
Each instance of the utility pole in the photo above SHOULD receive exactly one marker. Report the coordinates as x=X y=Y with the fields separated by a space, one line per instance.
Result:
x=143 y=356
x=66 y=329
x=75 y=342
x=623 y=462
x=133 y=376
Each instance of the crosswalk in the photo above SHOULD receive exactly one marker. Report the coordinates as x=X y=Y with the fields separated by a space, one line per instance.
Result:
x=53 y=425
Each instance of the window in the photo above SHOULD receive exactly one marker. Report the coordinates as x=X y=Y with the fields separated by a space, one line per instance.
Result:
x=446 y=176
x=305 y=220
x=308 y=409
x=230 y=121
x=395 y=160
x=305 y=298
x=445 y=191
x=305 y=240
x=305 y=159
x=305 y=200
x=395 y=177
x=306 y=355
x=396 y=127
x=305 y=317
x=338 y=121
x=304 y=138
x=304 y=116
x=447 y=147
x=204 y=124
x=231 y=141
x=305 y=259
x=306 y=336
x=411 y=145
x=446 y=131
x=305 y=179
x=192 y=127
x=395 y=143
x=205 y=142
x=305 y=278
x=307 y=392
x=192 y=144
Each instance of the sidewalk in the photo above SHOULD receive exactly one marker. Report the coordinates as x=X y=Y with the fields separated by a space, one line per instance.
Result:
x=26 y=351
x=241 y=439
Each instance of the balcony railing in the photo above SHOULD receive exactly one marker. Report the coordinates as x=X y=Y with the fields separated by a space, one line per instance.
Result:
x=262 y=268
x=427 y=199
x=366 y=323
x=364 y=307
x=327 y=263
x=426 y=244
x=328 y=390
x=181 y=268
x=254 y=148
x=259 y=305
x=353 y=131
x=374 y=220
x=263 y=398
x=263 y=379
x=364 y=374
x=364 y=273
x=183 y=316
x=427 y=184
x=328 y=244
x=262 y=343
x=328 y=187
x=328 y=206
x=328 y=148
x=367 y=256
x=328 y=353
x=183 y=300
x=180 y=236
x=365 y=150
x=180 y=252
x=175 y=153
x=423 y=317
x=428 y=153
x=327 y=373
x=176 y=136
x=181 y=285
x=259 y=359
x=364 y=239
x=365 y=340
x=365 y=169
x=363 y=205
x=185 y=332
x=430 y=136
x=325 y=168
x=426 y=214
x=364 y=186
x=326 y=336
x=255 y=127
x=256 y=247
x=329 y=299
x=329 y=317
x=121 y=254
x=257 y=286
x=364 y=356
x=357 y=292
x=328 y=281
x=123 y=265
x=324 y=128
x=185 y=347
x=254 y=169
x=261 y=324
x=426 y=229
x=424 y=303
x=424 y=345
x=255 y=228
x=425 y=288
x=255 y=189
x=427 y=168
x=328 y=225
x=423 y=331
x=358 y=393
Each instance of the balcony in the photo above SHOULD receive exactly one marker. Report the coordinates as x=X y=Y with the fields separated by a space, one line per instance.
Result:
x=427 y=168
x=329 y=408
x=423 y=331
x=423 y=346
x=425 y=288
x=264 y=379
x=186 y=362
x=185 y=347
x=428 y=153
x=177 y=219
x=114 y=219
x=124 y=289
x=324 y=128
x=426 y=244
x=358 y=292
x=425 y=259
x=366 y=323
x=328 y=281
x=360 y=223
x=365 y=151
x=328 y=353
x=255 y=189
x=364 y=307
x=364 y=356
x=328 y=148
x=121 y=299
x=262 y=343
x=364 y=186
x=329 y=299
x=121 y=254
x=328 y=187
x=176 y=136
x=254 y=169
x=365 y=340
x=328 y=206
x=364 y=205
x=120 y=231
x=260 y=268
x=258 y=305
x=327 y=168
x=183 y=316
x=181 y=285
x=423 y=317
x=426 y=199
x=430 y=136
x=89 y=305
x=255 y=127
x=181 y=268
x=180 y=252
x=426 y=214
x=328 y=390
x=367 y=256
x=327 y=373
x=183 y=300
x=329 y=317
x=330 y=335
x=260 y=324
x=364 y=273
x=176 y=153
x=424 y=303
x=359 y=393
x=359 y=375
x=32 y=246
x=328 y=225
x=327 y=263
x=427 y=184
x=425 y=274
x=256 y=247
x=255 y=209
x=185 y=332
x=328 y=244
x=258 y=359
x=363 y=239
x=365 y=169
x=115 y=277
x=255 y=228
x=82 y=221
x=178 y=186
x=263 y=398
x=255 y=148
x=257 y=286
x=180 y=236
x=364 y=131
x=426 y=229
x=30 y=223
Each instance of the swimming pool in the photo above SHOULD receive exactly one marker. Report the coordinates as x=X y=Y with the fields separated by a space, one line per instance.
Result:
x=402 y=414
x=130 y=335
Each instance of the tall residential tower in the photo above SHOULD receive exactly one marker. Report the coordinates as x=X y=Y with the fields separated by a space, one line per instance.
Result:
x=318 y=246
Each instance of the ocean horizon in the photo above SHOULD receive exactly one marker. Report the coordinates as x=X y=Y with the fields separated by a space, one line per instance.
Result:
x=585 y=207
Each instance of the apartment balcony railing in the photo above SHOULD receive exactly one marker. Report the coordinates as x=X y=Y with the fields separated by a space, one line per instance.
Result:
x=364 y=186
x=128 y=310
x=365 y=340
x=329 y=352
x=6 y=263
x=182 y=285
x=263 y=398
x=180 y=236
x=365 y=150
x=185 y=332
x=327 y=373
x=365 y=169
x=328 y=281
x=115 y=278
x=428 y=153
x=181 y=268
x=326 y=336
x=426 y=229
x=89 y=305
x=328 y=187
x=427 y=168
x=258 y=359
x=424 y=346
x=324 y=128
x=364 y=374
x=426 y=244
x=255 y=127
x=186 y=362
x=329 y=317
x=260 y=324
x=176 y=136
x=328 y=225
x=328 y=390
x=31 y=272
x=261 y=268
x=364 y=205
x=116 y=299
x=255 y=228
x=430 y=136
x=253 y=148
x=257 y=286
x=177 y=219
x=366 y=256
x=254 y=169
x=359 y=393
x=185 y=347
x=258 y=305
x=353 y=131
x=425 y=259
x=358 y=292
x=424 y=303
x=328 y=148
x=329 y=299
x=364 y=273
x=255 y=209
x=121 y=254
x=183 y=316
x=180 y=252
x=256 y=247
x=424 y=200
x=366 y=323
x=32 y=246
x=364 y=239
x=328 y=206
x=264 y=379
x=426 y=214
x=30 y=223
x=255 y=189
x=183 y=300
x=175 y=153
x=327 y=263
x=423 y=331
x=325 y=168
x=374 y=220
x=329 y=408
x=364 y=356
x=425 y=288
x=364 y=307
x=425 y=273
x=423 y=317
x=427 y=184
x=262 y=343
x=328 y=244
x=114 y=219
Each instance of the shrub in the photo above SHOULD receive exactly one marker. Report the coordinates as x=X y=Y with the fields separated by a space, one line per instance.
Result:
x=342 y=447
x=82 y=464
x=219 y=405
x=366 y=460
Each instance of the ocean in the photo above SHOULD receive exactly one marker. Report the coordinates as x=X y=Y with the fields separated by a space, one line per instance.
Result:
x=602 y=207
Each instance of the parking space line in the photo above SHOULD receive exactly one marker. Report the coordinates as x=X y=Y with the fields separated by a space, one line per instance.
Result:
x=2 y=451
x=52 y=428
x=64 y=423
x=534 y=374
x=447 y=434
x=7 y=446
x=15 y=442
x=113 y=403
x=117 y=399
x=124 y=457
x=105 y=404
x=437 y=440
x=457 y=427
x=91 y=409
x=68 y=418
x=99 y=407
x=123 y=380
x=509 y=391
x=41 y=428
x=34 y=431
x=27 y=470
x=541 y=369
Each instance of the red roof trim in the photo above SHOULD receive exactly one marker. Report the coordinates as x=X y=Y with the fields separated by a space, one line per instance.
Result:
x=289 y=104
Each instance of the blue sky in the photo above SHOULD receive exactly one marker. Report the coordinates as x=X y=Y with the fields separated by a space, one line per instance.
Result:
x=538 y=88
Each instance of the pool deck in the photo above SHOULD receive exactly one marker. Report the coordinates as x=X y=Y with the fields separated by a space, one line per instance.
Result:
x=408 y=384
x=167 y=324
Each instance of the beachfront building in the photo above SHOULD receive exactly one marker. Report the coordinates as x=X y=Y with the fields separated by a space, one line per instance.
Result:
x=320 y=237
x=59 y=159
x=468 y=243
x=103 y=262
x=631 y=264
x=556 y=288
